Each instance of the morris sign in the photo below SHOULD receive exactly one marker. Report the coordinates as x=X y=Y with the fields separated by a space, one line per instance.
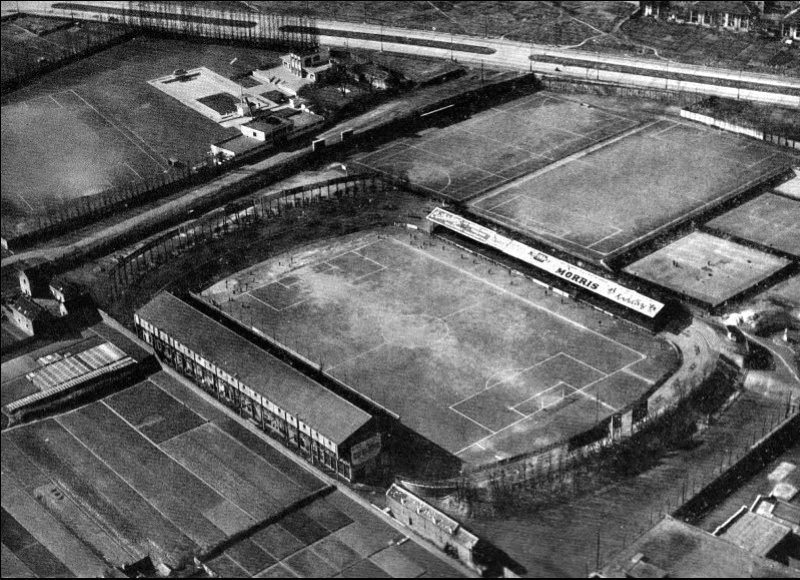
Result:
x=578 y=276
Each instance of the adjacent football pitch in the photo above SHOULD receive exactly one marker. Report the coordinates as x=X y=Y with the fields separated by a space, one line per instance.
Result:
x=60 y=147
x=605 y=200
x=495 y=146
x=769 y=220
x=97 y=123
x=707 y=268
x=465 y=353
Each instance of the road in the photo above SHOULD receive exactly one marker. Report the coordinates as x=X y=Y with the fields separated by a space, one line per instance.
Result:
x=511 y=54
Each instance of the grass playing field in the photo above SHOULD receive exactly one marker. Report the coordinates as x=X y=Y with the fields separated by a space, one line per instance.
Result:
x=97 y=122
x=464 y=357
x=605 y=200
x=59 y=147
x=707 y=268
x=770 y=220
x=495 y=146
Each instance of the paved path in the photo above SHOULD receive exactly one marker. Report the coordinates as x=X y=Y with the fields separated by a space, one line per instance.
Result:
x=516 y=55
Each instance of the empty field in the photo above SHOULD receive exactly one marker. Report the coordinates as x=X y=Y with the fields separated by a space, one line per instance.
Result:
x=605 y=200
x=769 y=220
x=707 y=268
x=431 y=337
x=495 y=146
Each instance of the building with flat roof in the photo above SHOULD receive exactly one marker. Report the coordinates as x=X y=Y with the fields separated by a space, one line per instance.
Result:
x=320 y=426
x=678 y=550
x=448 y=534
x=311 y=64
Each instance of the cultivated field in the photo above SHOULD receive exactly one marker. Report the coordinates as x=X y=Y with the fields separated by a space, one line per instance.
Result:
x=158 y=469
x=605 y=200
x=707 y=268
x=482 y=363
x=143 y=471
x=495 y=146
x=770 y=220
x=97 y=121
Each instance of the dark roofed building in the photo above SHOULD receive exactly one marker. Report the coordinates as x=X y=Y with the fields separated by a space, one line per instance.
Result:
x=678 y=550
x=28 y=316
x=790 y=25
x=34 y=276
x=315 y=422
x=731 y=15
x=276 y=97
x=268 y=129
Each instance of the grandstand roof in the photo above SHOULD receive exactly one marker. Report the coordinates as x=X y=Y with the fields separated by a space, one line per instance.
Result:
x=284 y=386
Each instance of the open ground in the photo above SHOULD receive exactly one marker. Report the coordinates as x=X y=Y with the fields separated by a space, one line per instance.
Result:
x=158 y=470
x=707 y=268
x=770 y=220
x=59 y=147
x=605 y=200
x=485 y=366
x=102 y=459
x=97 y=121
x=495 y=146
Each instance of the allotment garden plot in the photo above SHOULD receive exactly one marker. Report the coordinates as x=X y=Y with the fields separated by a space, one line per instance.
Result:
x=608 y=199
x=459 y=354
x=495 y=146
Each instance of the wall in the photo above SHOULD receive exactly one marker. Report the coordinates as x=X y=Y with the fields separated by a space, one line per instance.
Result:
x=741 y=129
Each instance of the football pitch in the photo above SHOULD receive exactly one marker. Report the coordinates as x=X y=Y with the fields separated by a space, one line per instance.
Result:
x=605 y=200
x=495 y=146
x=465 y=356
x=60 y=147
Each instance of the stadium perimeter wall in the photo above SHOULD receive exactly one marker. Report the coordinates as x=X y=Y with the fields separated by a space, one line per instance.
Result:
x=741 y=129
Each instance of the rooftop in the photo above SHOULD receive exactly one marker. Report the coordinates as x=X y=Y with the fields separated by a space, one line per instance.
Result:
x=433 y=515
x=681 y=550
x=239 y=144
x=753 y=532
x=268 y=124
x=723 y=7
x=28 y=308
x=305 y=119
x=289 y=389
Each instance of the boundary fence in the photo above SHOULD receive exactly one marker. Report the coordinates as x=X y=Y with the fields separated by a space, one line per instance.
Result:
x=234 y=217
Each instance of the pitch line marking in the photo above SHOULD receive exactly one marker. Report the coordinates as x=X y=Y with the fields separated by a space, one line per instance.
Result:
x=484 y=427
x=110 y=122
x=25 y=201
x=136 y=173
x=523 y=299
x=359 y=355
x=627 y=370
x=544 y=392
x=267 y=304
x=515 y=372
x=577 y=155
x=597 y=400
x=588 y=365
